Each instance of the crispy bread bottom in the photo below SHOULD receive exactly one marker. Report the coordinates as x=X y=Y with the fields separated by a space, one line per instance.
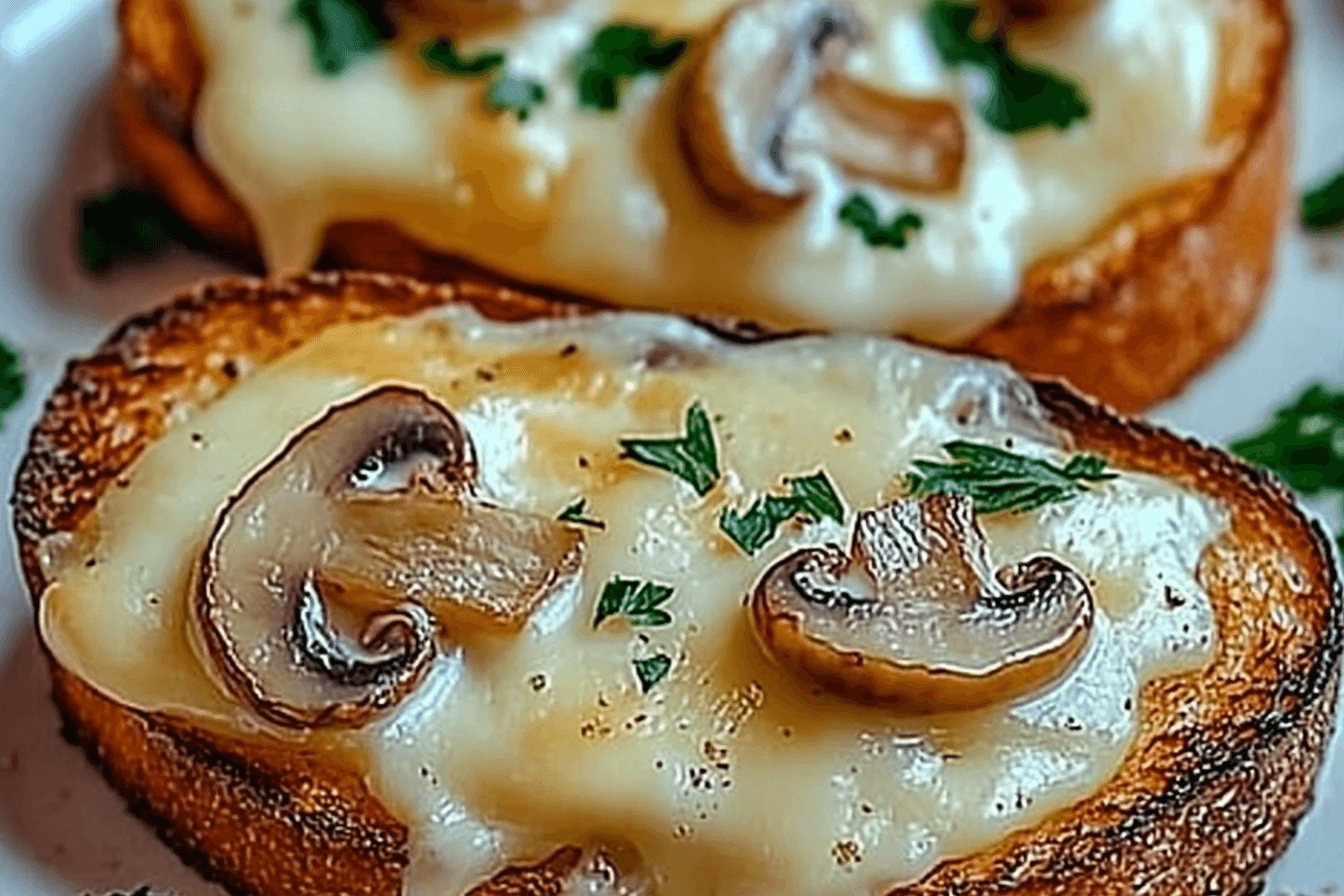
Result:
x=1211 y=792
x=1129 y=314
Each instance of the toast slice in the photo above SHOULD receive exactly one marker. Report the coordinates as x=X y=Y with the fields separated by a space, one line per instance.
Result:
x=1209 y=794
x=1129 y=312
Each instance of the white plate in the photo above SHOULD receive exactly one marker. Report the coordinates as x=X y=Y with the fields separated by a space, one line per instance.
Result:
x=62 y=831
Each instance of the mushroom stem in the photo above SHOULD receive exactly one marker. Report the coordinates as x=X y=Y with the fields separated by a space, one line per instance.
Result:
x=911 y=618
x=471 y=565
x=768 y=92
x=910 y=144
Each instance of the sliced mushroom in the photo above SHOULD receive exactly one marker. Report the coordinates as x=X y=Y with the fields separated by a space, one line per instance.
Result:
x=767 y=93
x=914 y=619
x=330 y=574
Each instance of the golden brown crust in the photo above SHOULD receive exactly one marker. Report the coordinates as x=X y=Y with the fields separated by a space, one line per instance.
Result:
x=1131 y=313
x=229 y=812
x=1220 y=774
x=1174 y=279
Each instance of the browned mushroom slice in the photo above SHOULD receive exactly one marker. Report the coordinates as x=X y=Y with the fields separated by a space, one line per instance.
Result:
x=912 y=619
x=330 y=573
x=488 y=568
x=767 y=92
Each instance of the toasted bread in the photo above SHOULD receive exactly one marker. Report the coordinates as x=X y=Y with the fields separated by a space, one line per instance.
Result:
x=1209 y=794
x=1130 y=312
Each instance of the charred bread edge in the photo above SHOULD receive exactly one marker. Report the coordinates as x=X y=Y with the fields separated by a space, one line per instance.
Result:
x=1222 y=771
x=1131 y=313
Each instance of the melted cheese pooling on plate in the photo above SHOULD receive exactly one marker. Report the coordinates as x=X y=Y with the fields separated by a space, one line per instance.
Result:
x=729 y=776
x=603 y=204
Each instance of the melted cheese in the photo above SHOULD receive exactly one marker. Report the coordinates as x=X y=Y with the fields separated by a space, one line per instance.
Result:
x=602 y=204
x=729 y=777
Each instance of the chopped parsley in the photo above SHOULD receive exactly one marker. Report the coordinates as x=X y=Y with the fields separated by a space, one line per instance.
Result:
x=652 y=670
x=506 y=93
x=441 y=56
x=691 y=457
x=617 y=53
x=124 y=223
x=1021 y=97
x=574 y=513
x=811 y=496
x=640 y=602
x=342 y=31
x=1303 y=443
x=1323 y=204
x=999 y=480
x=12 y=379
x=517 y=95
x=860 y=213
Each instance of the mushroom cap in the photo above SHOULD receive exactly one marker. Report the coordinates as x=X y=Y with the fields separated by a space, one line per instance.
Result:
x=330 y=572
x=768 y=85
x=911 y=618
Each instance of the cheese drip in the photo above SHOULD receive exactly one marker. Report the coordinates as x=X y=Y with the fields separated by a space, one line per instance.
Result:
x=603 y=204
x=729 y=776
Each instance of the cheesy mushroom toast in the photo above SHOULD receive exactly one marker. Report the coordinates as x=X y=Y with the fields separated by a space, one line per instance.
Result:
x=353 y=584
x=1089 y=190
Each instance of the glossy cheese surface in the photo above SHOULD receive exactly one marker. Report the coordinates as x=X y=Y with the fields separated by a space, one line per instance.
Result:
x=603 y=204
x=729 y=776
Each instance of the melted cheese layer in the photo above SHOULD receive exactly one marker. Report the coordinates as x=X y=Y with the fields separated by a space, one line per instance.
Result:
x=602 y=204
x=729 y=776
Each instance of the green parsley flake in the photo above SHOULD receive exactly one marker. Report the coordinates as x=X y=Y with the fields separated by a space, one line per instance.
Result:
x=574 y=513
x=617 y=53
x=12 y=379
x=692 y=457
x=441 y=56
x=1323 y=204
x=811 y=496
x=1021 y=97
x=506 y=93
x=342 y=31
x=1303 y=443
x=652 y=670
x=517 y=95
x=999 y=480
x=123 y=224
x=860 y=213
x=640 y=602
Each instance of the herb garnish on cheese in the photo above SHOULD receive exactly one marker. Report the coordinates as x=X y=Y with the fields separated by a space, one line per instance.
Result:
x=1021 y=96
x=652 y=670
x=575 y=513
x=517 y=95
x=506 y=93
x=812 y=496
x=617 y=53
x=691 y=457
x=441 y=56
x=342 y=31
x=999 y=480
x=640 y=602
x=859 y=213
